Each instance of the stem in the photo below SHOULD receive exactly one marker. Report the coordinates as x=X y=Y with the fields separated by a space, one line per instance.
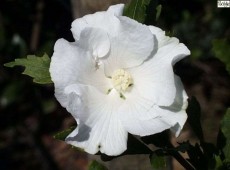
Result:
x=37 y=26
x=181 y=160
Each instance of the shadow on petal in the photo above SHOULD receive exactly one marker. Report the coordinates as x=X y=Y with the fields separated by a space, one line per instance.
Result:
x=82 y=135
x=180 y=101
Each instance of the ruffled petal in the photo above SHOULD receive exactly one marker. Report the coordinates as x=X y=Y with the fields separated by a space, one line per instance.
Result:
x=131 y=47
x=103 y=20
x=71 y=64
x=144 y=119
x=99 y=128
x=155 y=77
x=167 y=119
x=170 y=42
x=117 y=9
x=96 y=41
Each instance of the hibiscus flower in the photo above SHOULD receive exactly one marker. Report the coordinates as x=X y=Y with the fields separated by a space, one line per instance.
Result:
x=117 y=78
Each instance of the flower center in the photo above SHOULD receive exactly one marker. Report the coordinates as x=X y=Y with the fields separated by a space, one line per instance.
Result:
x=121 y=80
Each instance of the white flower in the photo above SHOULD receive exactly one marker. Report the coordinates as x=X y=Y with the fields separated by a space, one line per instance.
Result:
x=117 y=77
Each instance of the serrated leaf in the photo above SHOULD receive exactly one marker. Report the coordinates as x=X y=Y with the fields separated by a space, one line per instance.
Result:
x=194 y=114
x=157 y=162
x=35 y=67
x=96 y=166
x=225 y=127
x=136 y=10
x=63 y=134
x=221 y=49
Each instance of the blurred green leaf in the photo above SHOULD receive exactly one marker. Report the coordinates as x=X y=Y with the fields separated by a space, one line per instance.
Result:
x=157 y=162
x=136 y=10
x=11 y=93
x=221 y=49
x=158 y=8
x=194 y=114
x=63 y=134
x=225 y=127
x=47 y=47
x=35 y=67
x=96 y=166
x=218 y=162
x=48 y=105
x=196 y=53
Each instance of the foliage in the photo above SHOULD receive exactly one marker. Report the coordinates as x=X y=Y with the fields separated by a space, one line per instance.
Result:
x=35 y=67
x=96 y=166
x=221 y=48
x=136 y=10
x=225 y=127
x=194 y=114
x=158 y=13
x=63 y=134
x=157 y=162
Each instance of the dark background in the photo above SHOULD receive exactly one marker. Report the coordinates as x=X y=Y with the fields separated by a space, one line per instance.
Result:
x=29 y=113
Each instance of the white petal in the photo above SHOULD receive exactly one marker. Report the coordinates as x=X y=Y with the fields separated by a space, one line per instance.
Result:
x=142 y=118
x=155 y=77
x=62 y=67
x=116 y=9
x=95 y=40
x=71 y=64
x=180 y=105
x=131 y=47
x=103 y=20
x=164 y=40
x=100 y=128
x=166 y=119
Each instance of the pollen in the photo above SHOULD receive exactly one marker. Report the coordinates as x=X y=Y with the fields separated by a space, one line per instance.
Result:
x=121 y=80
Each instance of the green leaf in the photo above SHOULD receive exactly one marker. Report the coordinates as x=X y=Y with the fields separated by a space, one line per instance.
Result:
x=221 y=49
x=219 y=162
x=63 y=134
x=194 y=114
x=158 y=8
x=136 y=10
x=96 y=166
x=225 y=127
x=157 y=162
x=35 y=67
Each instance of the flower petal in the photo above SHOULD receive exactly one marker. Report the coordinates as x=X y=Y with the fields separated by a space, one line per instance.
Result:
x=116 y=9
x=95 y=40
x=103 y=20
x=71 y=64
x=166 y=119
x=166 y=41
x=131 y=47
x=142 y=119
x=99 y=127
x=155 y=77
